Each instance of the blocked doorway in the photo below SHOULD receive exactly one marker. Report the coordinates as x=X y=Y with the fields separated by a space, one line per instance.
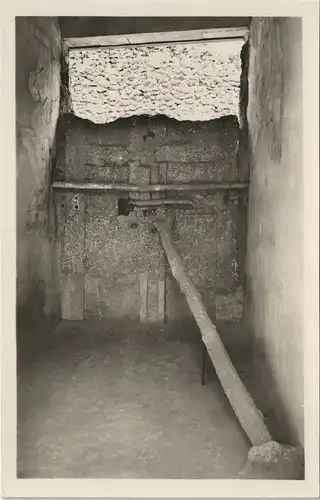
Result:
x=111 y=261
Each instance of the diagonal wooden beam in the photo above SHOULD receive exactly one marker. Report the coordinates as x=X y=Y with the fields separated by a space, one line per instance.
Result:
x=242 y=403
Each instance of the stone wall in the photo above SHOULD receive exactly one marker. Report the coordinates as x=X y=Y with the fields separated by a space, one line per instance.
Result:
x=275 y=232
x=114 y=266
x=37 y=108
x=182 y=81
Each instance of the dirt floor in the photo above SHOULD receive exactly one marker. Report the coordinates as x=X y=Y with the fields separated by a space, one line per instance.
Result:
x=98 y=402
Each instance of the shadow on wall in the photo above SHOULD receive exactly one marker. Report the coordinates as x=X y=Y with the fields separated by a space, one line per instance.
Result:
x=101 y=26
x=274 y=249
x=275 y=411
x=37 y=110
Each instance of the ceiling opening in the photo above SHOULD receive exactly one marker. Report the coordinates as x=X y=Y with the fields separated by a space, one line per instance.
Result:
x=193 y=81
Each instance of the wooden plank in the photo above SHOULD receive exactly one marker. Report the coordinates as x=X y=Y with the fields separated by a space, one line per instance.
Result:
x=154 y=178
x=243 y=405
x=91 y=186
x=159 y=203
x=72 y=297
x=143 y=297
x=205 y=34
x=162 y=296
x=162 y=179
x=220 y=34
x=152 y=297
x=140 y=174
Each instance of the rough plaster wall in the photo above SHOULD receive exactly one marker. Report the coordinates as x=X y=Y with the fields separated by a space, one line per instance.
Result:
x=37 y=108
x=105 y=263
x=183 y=81
x=274 y=258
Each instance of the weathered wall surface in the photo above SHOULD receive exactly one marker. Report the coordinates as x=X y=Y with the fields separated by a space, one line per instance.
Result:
x=37 y=108
x=182 y=81
x=113 y=266
x=274 y=258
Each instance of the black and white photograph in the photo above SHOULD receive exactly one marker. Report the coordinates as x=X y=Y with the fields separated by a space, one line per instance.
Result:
x=159 y=259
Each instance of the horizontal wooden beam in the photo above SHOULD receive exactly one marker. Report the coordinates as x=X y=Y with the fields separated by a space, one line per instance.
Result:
x=102 y=187
x=215 y=34
x=159 y=203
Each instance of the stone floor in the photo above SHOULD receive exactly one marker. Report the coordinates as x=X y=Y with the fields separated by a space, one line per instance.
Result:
x=99 y=402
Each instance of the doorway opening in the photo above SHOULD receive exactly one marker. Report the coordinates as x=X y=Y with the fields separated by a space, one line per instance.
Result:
x=151 y=124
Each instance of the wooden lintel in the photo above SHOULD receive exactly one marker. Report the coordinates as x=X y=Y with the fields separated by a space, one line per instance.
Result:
x=205 y=35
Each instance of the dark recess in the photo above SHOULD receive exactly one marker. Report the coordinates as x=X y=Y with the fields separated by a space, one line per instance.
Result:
x=102 y=26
